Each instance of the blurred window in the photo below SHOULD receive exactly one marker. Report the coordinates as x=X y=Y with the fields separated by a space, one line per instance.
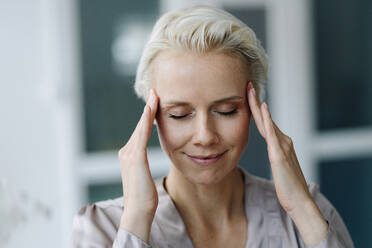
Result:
x=343 y=47
x=347 y=184
x=104 y=191
x=113 y=34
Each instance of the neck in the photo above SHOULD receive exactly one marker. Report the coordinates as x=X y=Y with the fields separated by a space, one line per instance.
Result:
x=208 y=205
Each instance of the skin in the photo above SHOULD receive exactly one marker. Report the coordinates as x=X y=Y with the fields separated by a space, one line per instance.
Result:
x=200 y=81
x=209 y=197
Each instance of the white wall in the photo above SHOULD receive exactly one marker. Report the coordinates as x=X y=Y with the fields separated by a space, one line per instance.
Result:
x=28 y=131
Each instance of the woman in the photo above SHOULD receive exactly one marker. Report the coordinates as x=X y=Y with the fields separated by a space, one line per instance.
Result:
x=201 y=73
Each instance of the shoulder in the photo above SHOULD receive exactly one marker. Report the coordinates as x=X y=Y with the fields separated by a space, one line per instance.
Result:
x=101 y=220
x=97 y=223
x=264 y=188
x=109 y=207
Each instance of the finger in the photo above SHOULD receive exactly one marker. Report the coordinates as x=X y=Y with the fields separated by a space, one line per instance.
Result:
x=255 y=109
x=137 y=131
x=152 y=104
x=140 y=135
x=271 y=138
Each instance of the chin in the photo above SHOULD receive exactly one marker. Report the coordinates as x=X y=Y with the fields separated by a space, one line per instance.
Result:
x=208 y=176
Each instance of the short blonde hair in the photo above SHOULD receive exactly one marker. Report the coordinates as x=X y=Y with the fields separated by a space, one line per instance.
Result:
x=203 y=29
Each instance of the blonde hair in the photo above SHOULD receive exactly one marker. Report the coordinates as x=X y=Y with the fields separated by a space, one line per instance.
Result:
x=203 y=29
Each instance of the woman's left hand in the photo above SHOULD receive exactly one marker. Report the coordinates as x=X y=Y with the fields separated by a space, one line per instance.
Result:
x=290 y=185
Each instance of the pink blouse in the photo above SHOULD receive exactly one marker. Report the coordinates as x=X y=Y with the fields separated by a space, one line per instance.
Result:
x=97 y=225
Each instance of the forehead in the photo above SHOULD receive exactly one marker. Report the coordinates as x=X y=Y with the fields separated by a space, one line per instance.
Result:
x=188 y=76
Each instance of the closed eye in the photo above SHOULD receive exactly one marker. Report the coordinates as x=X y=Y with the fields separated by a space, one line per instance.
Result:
x=177 y=116
x=221 y=113
x=228 y=113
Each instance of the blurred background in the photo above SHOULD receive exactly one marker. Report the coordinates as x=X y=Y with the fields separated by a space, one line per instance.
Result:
x=67 y=103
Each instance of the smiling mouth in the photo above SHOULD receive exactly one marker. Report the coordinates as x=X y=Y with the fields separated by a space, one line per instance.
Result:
x=206 y=160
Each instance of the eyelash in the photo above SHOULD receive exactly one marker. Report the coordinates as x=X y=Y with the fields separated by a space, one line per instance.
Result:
x=222 y=113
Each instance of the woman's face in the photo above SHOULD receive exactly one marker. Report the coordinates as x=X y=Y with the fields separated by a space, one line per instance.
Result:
x=203 y=110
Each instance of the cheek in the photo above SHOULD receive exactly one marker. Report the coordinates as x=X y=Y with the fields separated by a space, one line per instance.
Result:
x=172 y=134
x=236 y=130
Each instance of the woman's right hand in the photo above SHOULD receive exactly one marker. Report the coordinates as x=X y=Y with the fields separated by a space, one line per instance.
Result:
x=140 y=194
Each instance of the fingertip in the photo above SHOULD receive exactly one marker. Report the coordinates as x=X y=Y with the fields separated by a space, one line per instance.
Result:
x=267 y=116
x=264 y=104
x=249 y=86
x=264 y=108
x=146 y=109
x=153 y=99
x=250 y=96
x=146 y=122
x=252 y=90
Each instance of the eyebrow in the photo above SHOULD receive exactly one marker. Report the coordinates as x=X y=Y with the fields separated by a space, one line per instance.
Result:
x=226 y=99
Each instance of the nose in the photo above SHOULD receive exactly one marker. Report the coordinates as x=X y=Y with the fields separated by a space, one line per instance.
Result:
x=205 y=133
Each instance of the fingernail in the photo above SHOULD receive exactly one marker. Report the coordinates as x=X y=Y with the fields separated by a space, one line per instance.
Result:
x=146 y=108
x=249 y=86
x=151 y=99
x=253 y=91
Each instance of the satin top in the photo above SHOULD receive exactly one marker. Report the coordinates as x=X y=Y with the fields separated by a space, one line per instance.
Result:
x=97 y=225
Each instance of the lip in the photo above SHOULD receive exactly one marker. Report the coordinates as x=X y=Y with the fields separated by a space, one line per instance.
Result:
x=206 y=160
